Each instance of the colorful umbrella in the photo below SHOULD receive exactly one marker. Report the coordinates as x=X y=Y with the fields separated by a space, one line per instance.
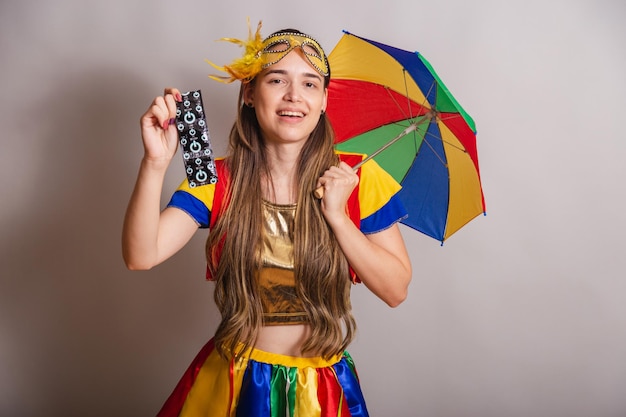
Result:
x=383 y=98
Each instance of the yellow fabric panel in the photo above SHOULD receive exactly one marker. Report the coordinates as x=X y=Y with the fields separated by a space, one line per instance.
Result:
x=208 y=391
x=239 y=370
x=307 y=404
x=465 y=191
x=376 y=188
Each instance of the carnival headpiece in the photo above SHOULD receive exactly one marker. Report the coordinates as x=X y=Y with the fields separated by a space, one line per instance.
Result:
x=260 y=54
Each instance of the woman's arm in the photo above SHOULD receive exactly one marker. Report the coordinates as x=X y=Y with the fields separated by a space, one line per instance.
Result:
x=379 y=259
x=150 y=236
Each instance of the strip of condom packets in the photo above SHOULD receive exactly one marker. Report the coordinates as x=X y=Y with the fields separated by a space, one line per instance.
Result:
x=195 y=141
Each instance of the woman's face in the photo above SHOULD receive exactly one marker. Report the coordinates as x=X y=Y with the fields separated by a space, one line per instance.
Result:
x=288 y=98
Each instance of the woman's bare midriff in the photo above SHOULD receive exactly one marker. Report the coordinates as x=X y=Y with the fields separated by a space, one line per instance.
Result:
x=284 y=339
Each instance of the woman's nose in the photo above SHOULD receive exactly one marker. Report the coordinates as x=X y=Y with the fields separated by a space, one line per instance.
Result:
x=292 y=93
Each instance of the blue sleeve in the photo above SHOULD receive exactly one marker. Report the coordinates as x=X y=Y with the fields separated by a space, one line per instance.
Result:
x=193 y=206
x=389 y=214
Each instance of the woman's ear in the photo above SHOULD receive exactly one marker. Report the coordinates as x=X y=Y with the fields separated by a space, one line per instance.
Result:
x=248 y=95
x=325 y=100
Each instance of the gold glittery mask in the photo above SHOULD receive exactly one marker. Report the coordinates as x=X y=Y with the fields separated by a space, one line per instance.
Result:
x=277 y=46
x=260 y=54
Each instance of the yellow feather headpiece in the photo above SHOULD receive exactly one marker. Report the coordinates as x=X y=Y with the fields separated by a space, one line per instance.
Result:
x=260 y=54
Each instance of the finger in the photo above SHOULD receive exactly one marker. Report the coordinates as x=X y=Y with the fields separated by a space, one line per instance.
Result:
x=157 y=114
x=170 y=103
x=161 y=113
x=345 y=167
x=345 y=171
x=175 y=92
x=334 y=172
x=339 y=177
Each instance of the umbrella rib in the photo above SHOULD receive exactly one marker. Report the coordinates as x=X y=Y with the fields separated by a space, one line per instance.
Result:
x=430 y=90
x=406 y=116
x=435 y=152
x=408 y=98
x=406 y=90
x=412 y=127
x=439 y=118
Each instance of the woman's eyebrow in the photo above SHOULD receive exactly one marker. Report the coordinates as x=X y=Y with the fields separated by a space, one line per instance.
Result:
x=305 y=74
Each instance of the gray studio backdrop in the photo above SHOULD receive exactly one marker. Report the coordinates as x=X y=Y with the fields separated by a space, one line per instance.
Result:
x=519 y=314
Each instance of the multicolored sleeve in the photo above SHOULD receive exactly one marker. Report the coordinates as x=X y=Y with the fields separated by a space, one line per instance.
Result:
x=378 y=198
x=196 y=201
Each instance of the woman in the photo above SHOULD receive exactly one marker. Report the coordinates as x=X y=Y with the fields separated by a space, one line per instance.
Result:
x=282 y=259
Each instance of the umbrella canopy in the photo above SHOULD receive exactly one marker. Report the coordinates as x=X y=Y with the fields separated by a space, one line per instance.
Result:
x=385 y=98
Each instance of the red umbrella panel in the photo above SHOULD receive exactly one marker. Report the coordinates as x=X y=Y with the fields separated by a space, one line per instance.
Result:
x=380 y=94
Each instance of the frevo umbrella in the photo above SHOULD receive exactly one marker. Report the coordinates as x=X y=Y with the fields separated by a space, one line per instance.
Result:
x=390 y=104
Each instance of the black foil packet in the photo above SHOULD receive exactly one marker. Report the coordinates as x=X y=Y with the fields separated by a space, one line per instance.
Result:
x=195 y=140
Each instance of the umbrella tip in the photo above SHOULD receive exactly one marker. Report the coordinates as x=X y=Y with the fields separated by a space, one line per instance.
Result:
x=346 y=32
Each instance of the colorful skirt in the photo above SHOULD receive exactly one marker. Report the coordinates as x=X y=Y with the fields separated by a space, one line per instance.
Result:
x=263 y=384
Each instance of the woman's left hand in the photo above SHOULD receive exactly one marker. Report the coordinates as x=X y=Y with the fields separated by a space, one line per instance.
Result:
x=337 y=184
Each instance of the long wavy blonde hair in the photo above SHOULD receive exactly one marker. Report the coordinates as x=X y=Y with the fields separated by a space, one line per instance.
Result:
x=321 y=270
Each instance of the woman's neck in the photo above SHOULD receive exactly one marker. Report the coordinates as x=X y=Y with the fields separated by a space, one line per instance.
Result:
x=280 y=187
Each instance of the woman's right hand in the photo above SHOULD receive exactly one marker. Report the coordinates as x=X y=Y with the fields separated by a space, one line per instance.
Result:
x=158 y=128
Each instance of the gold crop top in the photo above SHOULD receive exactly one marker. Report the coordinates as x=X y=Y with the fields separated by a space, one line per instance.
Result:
x=276 y=278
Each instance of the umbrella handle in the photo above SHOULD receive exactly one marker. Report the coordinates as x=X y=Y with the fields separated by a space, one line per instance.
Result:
x=319 y=193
